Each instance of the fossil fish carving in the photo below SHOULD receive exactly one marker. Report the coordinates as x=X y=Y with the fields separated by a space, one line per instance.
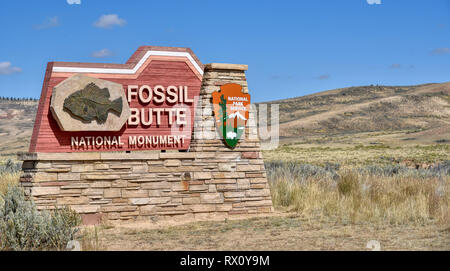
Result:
x=91 y=103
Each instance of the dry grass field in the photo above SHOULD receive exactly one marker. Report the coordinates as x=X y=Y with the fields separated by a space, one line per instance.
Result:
x=404 y=211
x=355 y=155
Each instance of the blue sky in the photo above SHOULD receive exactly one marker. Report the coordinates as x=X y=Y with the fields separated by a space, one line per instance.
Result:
x=292 y=48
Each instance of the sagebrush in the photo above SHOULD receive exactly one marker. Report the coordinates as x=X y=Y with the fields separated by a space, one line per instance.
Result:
x=23 y=227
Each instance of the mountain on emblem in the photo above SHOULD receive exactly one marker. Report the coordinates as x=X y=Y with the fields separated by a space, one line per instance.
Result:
x=236 y=115
x=231 y=110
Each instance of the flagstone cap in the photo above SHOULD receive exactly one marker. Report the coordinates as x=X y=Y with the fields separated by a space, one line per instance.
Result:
x=226 y=66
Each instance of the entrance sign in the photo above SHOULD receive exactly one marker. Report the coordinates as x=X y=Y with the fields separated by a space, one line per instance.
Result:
x=89 y=112
x=146 y=104
x=231 y=107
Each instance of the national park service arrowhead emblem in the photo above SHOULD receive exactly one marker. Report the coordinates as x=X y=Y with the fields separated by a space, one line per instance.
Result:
x=231 y=111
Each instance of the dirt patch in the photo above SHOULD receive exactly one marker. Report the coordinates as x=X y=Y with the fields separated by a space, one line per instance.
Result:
x=281 y=231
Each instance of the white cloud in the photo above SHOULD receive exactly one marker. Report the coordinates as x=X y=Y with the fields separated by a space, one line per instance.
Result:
x=109 y=20
x=7 y=68
x=48 y=23
x=371 y=2
x=441 y=51
x=71 y=2
x=102 y=53
x=323 y=77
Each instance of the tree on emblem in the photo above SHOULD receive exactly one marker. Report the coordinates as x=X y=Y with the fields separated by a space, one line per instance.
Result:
x=231 y=109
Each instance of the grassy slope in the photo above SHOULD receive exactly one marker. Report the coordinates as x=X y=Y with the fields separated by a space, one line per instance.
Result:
x=408 y=113
x=366 y=125
x=16 y=126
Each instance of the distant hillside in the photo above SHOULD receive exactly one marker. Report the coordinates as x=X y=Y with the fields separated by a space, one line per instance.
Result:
x=421 y=111
x=16 y=124
x=410 y=114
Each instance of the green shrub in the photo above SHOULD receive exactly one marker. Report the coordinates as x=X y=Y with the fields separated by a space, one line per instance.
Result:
x=23 y=227
x=300 y=172
x=348 y=183
x=7 y=180
x=10 y=166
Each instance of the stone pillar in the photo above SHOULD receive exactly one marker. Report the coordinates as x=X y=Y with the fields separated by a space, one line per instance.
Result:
x=214 y=76
x=241 y=175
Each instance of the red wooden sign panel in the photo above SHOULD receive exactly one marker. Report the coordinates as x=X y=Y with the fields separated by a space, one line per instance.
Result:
x=158 y=69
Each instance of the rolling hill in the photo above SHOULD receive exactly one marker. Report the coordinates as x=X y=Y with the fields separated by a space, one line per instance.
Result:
x=420 y=114
x=372 y=114
x=16 y=125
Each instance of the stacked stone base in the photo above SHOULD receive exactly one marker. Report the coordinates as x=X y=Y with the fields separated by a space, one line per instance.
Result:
x=127 y=186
